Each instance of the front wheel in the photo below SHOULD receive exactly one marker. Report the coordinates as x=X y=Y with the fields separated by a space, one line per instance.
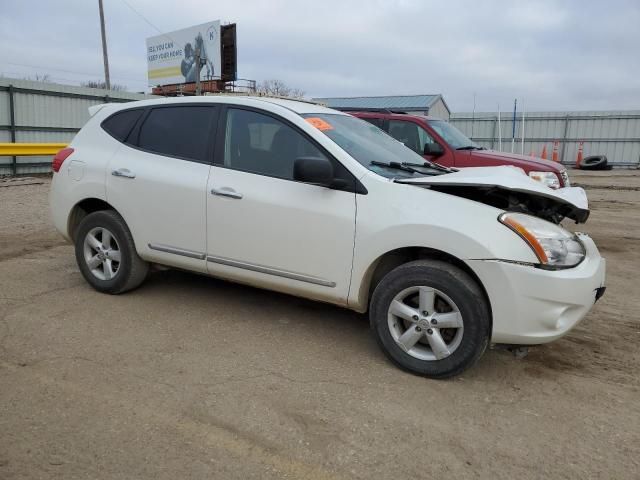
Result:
x=430 y=318
x=106 y=254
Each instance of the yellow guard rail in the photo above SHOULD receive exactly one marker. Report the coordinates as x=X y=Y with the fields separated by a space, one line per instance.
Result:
x=23 y=149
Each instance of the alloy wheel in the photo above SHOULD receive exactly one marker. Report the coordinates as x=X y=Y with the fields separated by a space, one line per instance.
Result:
x=102 y=253
x=425 y=323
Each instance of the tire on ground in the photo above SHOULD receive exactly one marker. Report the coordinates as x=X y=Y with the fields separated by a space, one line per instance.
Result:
x=132 y=270
x=594 y=162
x=459 y=287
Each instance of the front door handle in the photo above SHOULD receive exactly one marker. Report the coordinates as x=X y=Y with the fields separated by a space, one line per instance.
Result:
x=123 y=172
x=226 y=192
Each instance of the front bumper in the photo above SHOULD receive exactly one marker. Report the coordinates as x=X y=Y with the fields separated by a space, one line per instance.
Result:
x=532 y=306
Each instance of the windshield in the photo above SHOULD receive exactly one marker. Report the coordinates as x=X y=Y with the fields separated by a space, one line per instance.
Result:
x=366 y=143
x=454 y=137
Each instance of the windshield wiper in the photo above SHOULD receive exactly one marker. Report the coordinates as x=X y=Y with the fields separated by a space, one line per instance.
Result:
x=469 y=147
x=407 y=167
x=415 y=167
x=437 y=166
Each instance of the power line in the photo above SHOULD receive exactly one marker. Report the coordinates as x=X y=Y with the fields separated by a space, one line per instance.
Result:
x=75 y=72
x=134 y=10
x=142 y=17
x=42 y=68
x=147 y=21
x=53 y=78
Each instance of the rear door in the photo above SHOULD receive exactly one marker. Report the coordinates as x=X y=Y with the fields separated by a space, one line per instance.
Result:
x=265 y=228
x=157 y=181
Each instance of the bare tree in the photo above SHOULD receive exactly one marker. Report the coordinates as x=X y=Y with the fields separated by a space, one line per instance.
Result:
x=101 y=84
x=39 y=77
x=279 y=88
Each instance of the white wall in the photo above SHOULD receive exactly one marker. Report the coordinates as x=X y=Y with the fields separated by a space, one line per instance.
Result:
x=615 y=134
x=48 y=112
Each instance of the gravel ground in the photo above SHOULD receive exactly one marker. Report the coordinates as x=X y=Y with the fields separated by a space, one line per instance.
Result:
x=190 y=377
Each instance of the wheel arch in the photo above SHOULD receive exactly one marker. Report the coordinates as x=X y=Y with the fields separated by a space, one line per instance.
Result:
x=82 y=209
x=399 y=256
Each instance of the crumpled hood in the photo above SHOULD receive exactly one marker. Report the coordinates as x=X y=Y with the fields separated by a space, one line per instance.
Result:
x=568 y=202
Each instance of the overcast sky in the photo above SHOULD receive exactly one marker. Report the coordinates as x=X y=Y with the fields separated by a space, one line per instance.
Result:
x=552 y=55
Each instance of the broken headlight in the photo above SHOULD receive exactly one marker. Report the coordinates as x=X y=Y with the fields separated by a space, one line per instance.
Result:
x=554 y=246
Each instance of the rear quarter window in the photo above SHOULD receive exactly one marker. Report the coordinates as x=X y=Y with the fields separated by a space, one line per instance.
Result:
x=121 y=123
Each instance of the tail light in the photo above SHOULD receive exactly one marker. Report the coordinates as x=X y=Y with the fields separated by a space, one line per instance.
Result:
x=60 y=157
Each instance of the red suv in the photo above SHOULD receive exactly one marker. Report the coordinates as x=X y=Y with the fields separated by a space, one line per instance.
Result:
x=441 y=142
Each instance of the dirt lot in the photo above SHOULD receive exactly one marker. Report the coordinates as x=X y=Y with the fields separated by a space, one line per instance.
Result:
x=189 y=377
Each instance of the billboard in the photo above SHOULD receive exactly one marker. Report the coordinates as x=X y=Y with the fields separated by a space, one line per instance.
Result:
x=171 y=57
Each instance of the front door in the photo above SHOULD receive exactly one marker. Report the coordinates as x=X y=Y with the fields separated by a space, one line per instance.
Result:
x=263 y=227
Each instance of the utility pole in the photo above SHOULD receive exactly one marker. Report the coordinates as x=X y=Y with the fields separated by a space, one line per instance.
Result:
x=105 y=57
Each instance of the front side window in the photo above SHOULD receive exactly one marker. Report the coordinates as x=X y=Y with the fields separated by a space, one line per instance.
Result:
x=411 y=134
x=378 y=122
x=182 y=131
x=259 y=143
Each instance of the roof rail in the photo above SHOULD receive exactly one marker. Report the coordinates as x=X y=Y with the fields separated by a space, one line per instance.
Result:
x=377 y=110
x=261 y=95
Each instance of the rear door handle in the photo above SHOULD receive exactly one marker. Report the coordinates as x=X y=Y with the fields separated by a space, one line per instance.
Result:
x=123 y=172
x=226 y=192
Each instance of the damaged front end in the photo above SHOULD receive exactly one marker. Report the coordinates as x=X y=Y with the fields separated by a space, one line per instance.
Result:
x=509 y=189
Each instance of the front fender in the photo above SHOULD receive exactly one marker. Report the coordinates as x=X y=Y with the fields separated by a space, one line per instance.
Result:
x=417 y=217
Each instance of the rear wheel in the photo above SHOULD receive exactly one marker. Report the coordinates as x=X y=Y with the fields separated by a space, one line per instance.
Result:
x=430 y=318
x=106 y=254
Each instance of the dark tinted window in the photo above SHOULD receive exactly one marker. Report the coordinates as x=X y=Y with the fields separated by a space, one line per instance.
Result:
x=374 y=121
x=120 y=124
x=261 y=144
x=182 y=131
x=411 y=134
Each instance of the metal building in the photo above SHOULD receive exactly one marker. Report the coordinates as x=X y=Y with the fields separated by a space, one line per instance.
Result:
x=46 y=112
x=433 y=105
x=615 y=134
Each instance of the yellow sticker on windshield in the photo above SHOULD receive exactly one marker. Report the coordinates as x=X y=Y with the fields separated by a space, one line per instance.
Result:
x=319 y=123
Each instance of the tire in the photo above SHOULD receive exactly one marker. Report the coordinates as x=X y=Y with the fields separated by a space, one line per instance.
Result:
x=457 y=300
x=594 y=162
x=113 y=270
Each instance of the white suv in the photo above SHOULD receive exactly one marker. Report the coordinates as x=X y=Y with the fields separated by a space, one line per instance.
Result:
x=301 y=199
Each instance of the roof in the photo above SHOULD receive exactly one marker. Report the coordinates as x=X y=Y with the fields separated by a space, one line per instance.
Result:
x=300 y=107
x=395 y=102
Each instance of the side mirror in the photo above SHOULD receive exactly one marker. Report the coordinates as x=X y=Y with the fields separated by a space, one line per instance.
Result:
x=433 y=149
x=315 y=170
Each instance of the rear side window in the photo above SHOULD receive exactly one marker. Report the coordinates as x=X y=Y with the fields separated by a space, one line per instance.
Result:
x=120 y=124
x=182 y=131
